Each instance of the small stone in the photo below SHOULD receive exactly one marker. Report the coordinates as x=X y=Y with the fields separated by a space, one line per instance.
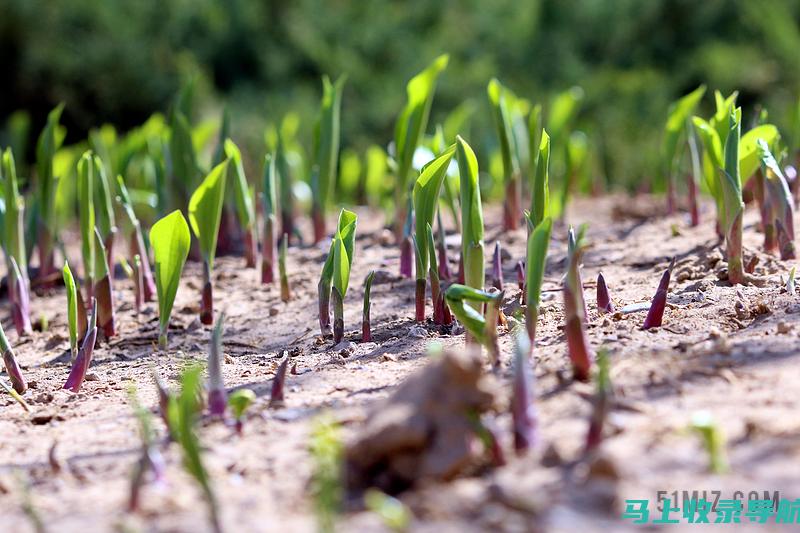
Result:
x=783 y=328
x=273 y=311
x=44 y=397
x=417 y=332
x=43 y=417
x=92 y=376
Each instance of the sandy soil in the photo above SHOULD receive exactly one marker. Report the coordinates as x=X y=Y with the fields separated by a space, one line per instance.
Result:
x=727 y=350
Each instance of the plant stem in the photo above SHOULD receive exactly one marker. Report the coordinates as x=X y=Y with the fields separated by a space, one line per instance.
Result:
x=285 y=291
x=268 y=251
x=318 y=222
x=420 y=300
x=105 y=306
x=250 y=248
x=406 y=257
x=338 y=316
x=734 y=251
x=511 y=207
x=207 y=297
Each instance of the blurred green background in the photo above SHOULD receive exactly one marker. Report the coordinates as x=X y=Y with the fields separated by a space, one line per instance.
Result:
x=119 y=61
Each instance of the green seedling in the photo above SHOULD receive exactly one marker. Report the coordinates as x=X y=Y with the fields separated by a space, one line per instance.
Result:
x=501 y=113
x=441 y=313
x=76 y=311
x=601 y=403
x=238 y=402
x=87 y=220
x=15 y=395
x=679 y=113
x=137 y=245
x=463 y=301
x=12 y=367
x=170 y=240
x=217 y=395
x=46 y=184
x=790 y=282
x=277 y=397
x=245 y=205
x=535 y=262
x=205 y=212
x=426 y=200
x=346 y=235
x=151 y=459
x=183 y=413
x=580 y=351
x=104 y=207
x=540 y=198
x=327 y=454
x=732 y=195
x=326 y=152
x=471 y=220
x=366 y=325
x=343 y=251
x=408 y=132
x=778 y=205
x=713 y=441
x=103 y=289
x=81 y=363
x=13 y=240
x=268 y=198
x=286 y=180
x=523 y=413
x=286 y=293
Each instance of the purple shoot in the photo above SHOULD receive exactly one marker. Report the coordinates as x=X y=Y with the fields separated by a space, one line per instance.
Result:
x=12 y=367
x=276 y=399
x=521 y=278
x=20 y=299
x=656 y=312
x=81 y=364
x=406 y=257
x=523 y=413
x=217 y=397
x=604 y=303
x=444 y=268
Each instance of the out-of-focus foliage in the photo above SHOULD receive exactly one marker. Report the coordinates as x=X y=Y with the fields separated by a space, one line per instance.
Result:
x=117 y=62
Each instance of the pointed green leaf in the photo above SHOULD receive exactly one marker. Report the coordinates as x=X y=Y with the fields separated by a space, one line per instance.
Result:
x=679 y=112
x=245 y=209
x=170 y=240
x=749 y=158
x=536 y=260
x=471 y=216
x=326 y=140
x=540 y=201
x=87 y=216
x=205 y=211
x=72 y=306
x=498 y=98
x=426 y=200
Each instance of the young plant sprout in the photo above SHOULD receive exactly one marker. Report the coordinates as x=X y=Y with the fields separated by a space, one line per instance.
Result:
x=327 y=480
x=501 y=113
x=343 y=250
x=183 y=412
x=580 y=351
x=734 y=206
x=217 y=396
x=779 y=204
x=463 y=301
x=497 y=267
x=441 y=313
x=540 y=199
x=601 y=404
x=81 y=363
x=245 y=206
x=523 y=413
x=659 y=303
x=46 y=183
x=12 y=367
x=15 y=395
x=536 y=261
x=444 y=268
x=713 y=441
x=691 y=178
x=238 y=402
x=170 y=240
x=408 y=132
x=604 y=303
x=276 y=397
x=20 y=299
x=471 y=220
x=286 y=196
x=286 y=294
x=346 y=232
x=326 y=152
x=87 y=220
x=270 y=210
x=150 y=460
x=104 y=208
x=138 y=283
x=679 y=113
x=72 y=310
x=366 y=328
x=790 y=283
x=137 y=246
x=13 y=240
x=406 y=244
x=103 y=290
x=426 y=200
x=205 y=212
